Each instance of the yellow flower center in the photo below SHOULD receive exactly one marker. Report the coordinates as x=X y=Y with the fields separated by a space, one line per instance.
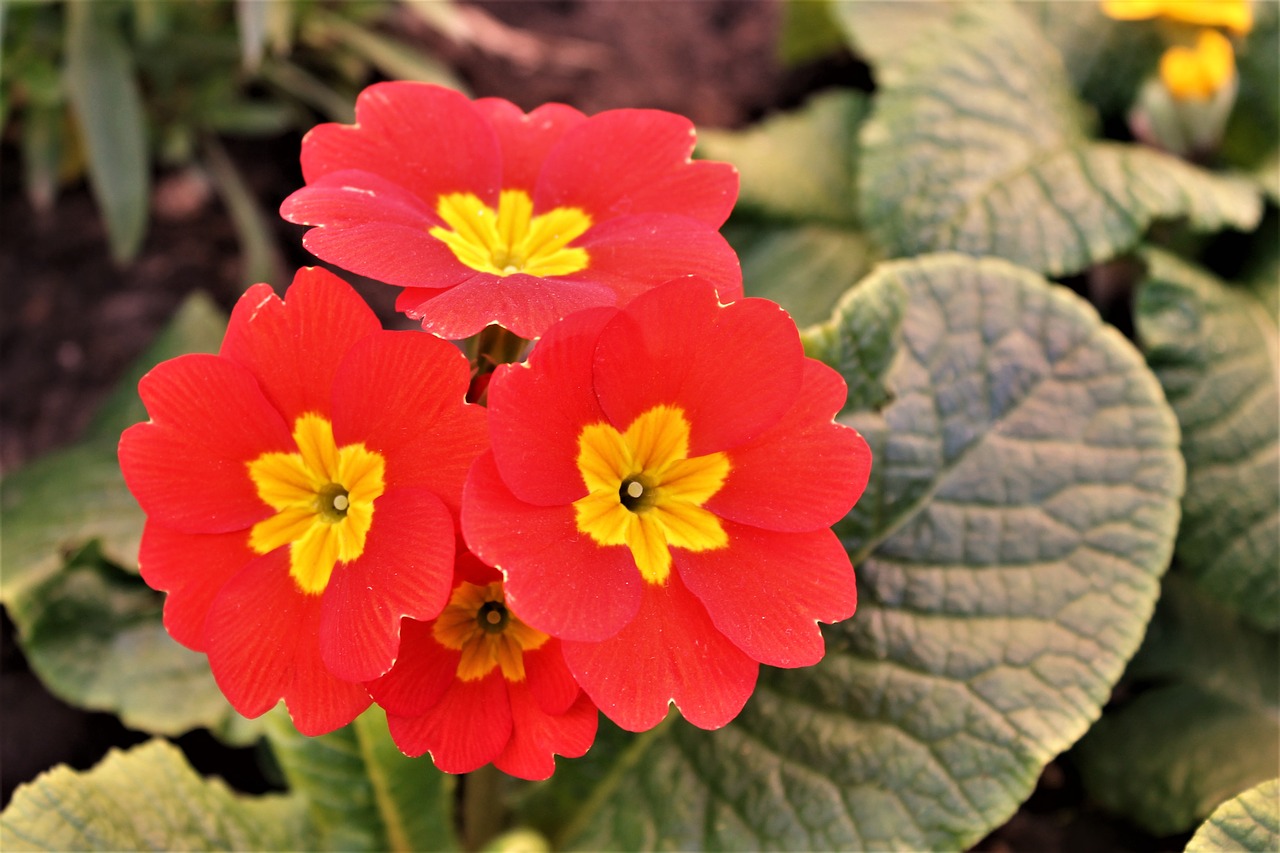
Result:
x=1235 y=15
x=1197 y=73
x=323 y=496
x=476 y=621
x=512 y=240
x=643 y=490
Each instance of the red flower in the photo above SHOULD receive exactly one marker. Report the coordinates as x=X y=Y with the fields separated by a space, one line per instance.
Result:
x=302 y=490
x=478 y=685
x=487 y=215
x=659 y=496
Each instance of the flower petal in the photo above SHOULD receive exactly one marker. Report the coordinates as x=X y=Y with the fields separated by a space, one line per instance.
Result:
x=402 y=394
x=262 y=637
x=284 y=344
x=467 y=728
x=734 y=370
x=526 y=139
x=376 y=228
x=188 y=466
x=536 y=736
x=406 y=570
x=422 y=674
x=558 y=580
x=767 y=591
x=426 y=138
x=525 y=304
x=670 y=652
x=806 y=471
x=538 y=410
x=192 y=569
x=548 y=678
x=626 y=162
x=633 y=254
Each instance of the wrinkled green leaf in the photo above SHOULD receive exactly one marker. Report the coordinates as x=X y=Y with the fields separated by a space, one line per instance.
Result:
x=880 y=30
x=975 y=144
x=1022 y=507
x=804 y=268
x=1209 y=729
x=148 y=798
x=799 y=165
x=360 y=791
x=107 y=105
x=1250 y=822
x=1216 y=350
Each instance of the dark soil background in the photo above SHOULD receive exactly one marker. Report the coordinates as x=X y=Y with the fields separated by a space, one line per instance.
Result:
x=71 y=320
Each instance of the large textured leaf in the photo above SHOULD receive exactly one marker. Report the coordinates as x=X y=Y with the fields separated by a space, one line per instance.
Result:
x=360 y=791
x=107 y=105
x=1207 y=730
x=1216 y=350
x=1250 y=822
x=148 y=798
x=798 y=165
x=975 y=144
x=1023 y=505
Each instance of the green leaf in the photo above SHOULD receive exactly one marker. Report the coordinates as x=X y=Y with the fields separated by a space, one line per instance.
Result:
x=148 y=798
x=975 y=144
x=880 y=30
x=1216 y=350
x=1249 y=822
x=1023 y=505
x=394 y=59
x=93 y=634
x=798 y=165
x=361 y=792
x=1208 y=731
x=1254 y=127
x=804 y=268
x=809 y=31
x=108 y=106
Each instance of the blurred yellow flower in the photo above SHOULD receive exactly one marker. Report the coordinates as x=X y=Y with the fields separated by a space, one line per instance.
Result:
x=1199 y=72
x=1235 y=15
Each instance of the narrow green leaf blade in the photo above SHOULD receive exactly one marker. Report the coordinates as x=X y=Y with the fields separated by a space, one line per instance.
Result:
x=799 y=165
x=361 y=792
x=1249 y=822
x=975 y=144
x=108 y=107
x=1216 y=350
x=1023 y=505
x=1208 y=730
x=148 y=798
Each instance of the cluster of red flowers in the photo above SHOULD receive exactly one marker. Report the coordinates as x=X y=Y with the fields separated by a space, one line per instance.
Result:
x=639 y=516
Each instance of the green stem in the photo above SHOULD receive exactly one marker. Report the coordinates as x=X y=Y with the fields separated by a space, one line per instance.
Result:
x=484 y=811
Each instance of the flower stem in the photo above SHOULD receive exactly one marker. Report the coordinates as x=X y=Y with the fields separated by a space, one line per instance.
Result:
x=484 y=811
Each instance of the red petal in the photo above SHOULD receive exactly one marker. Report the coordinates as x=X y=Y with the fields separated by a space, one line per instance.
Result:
x=192 y=568
x=537 y=410
x=525 y=304
x=262 y=637
x=548 y=678
x=624 y=162
x=374 y=228
x=805 y=472
x=633 y=254
x=558 y=580
x=526 y=139
x=406 y=570
x=467 y=729
x=403 y=394
x=426 y=138
x=671 y=652
x=537 y=736
x=422 y=674
x=767 y=591
x=733 y=369
x=293 y=347
x=187 y=467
